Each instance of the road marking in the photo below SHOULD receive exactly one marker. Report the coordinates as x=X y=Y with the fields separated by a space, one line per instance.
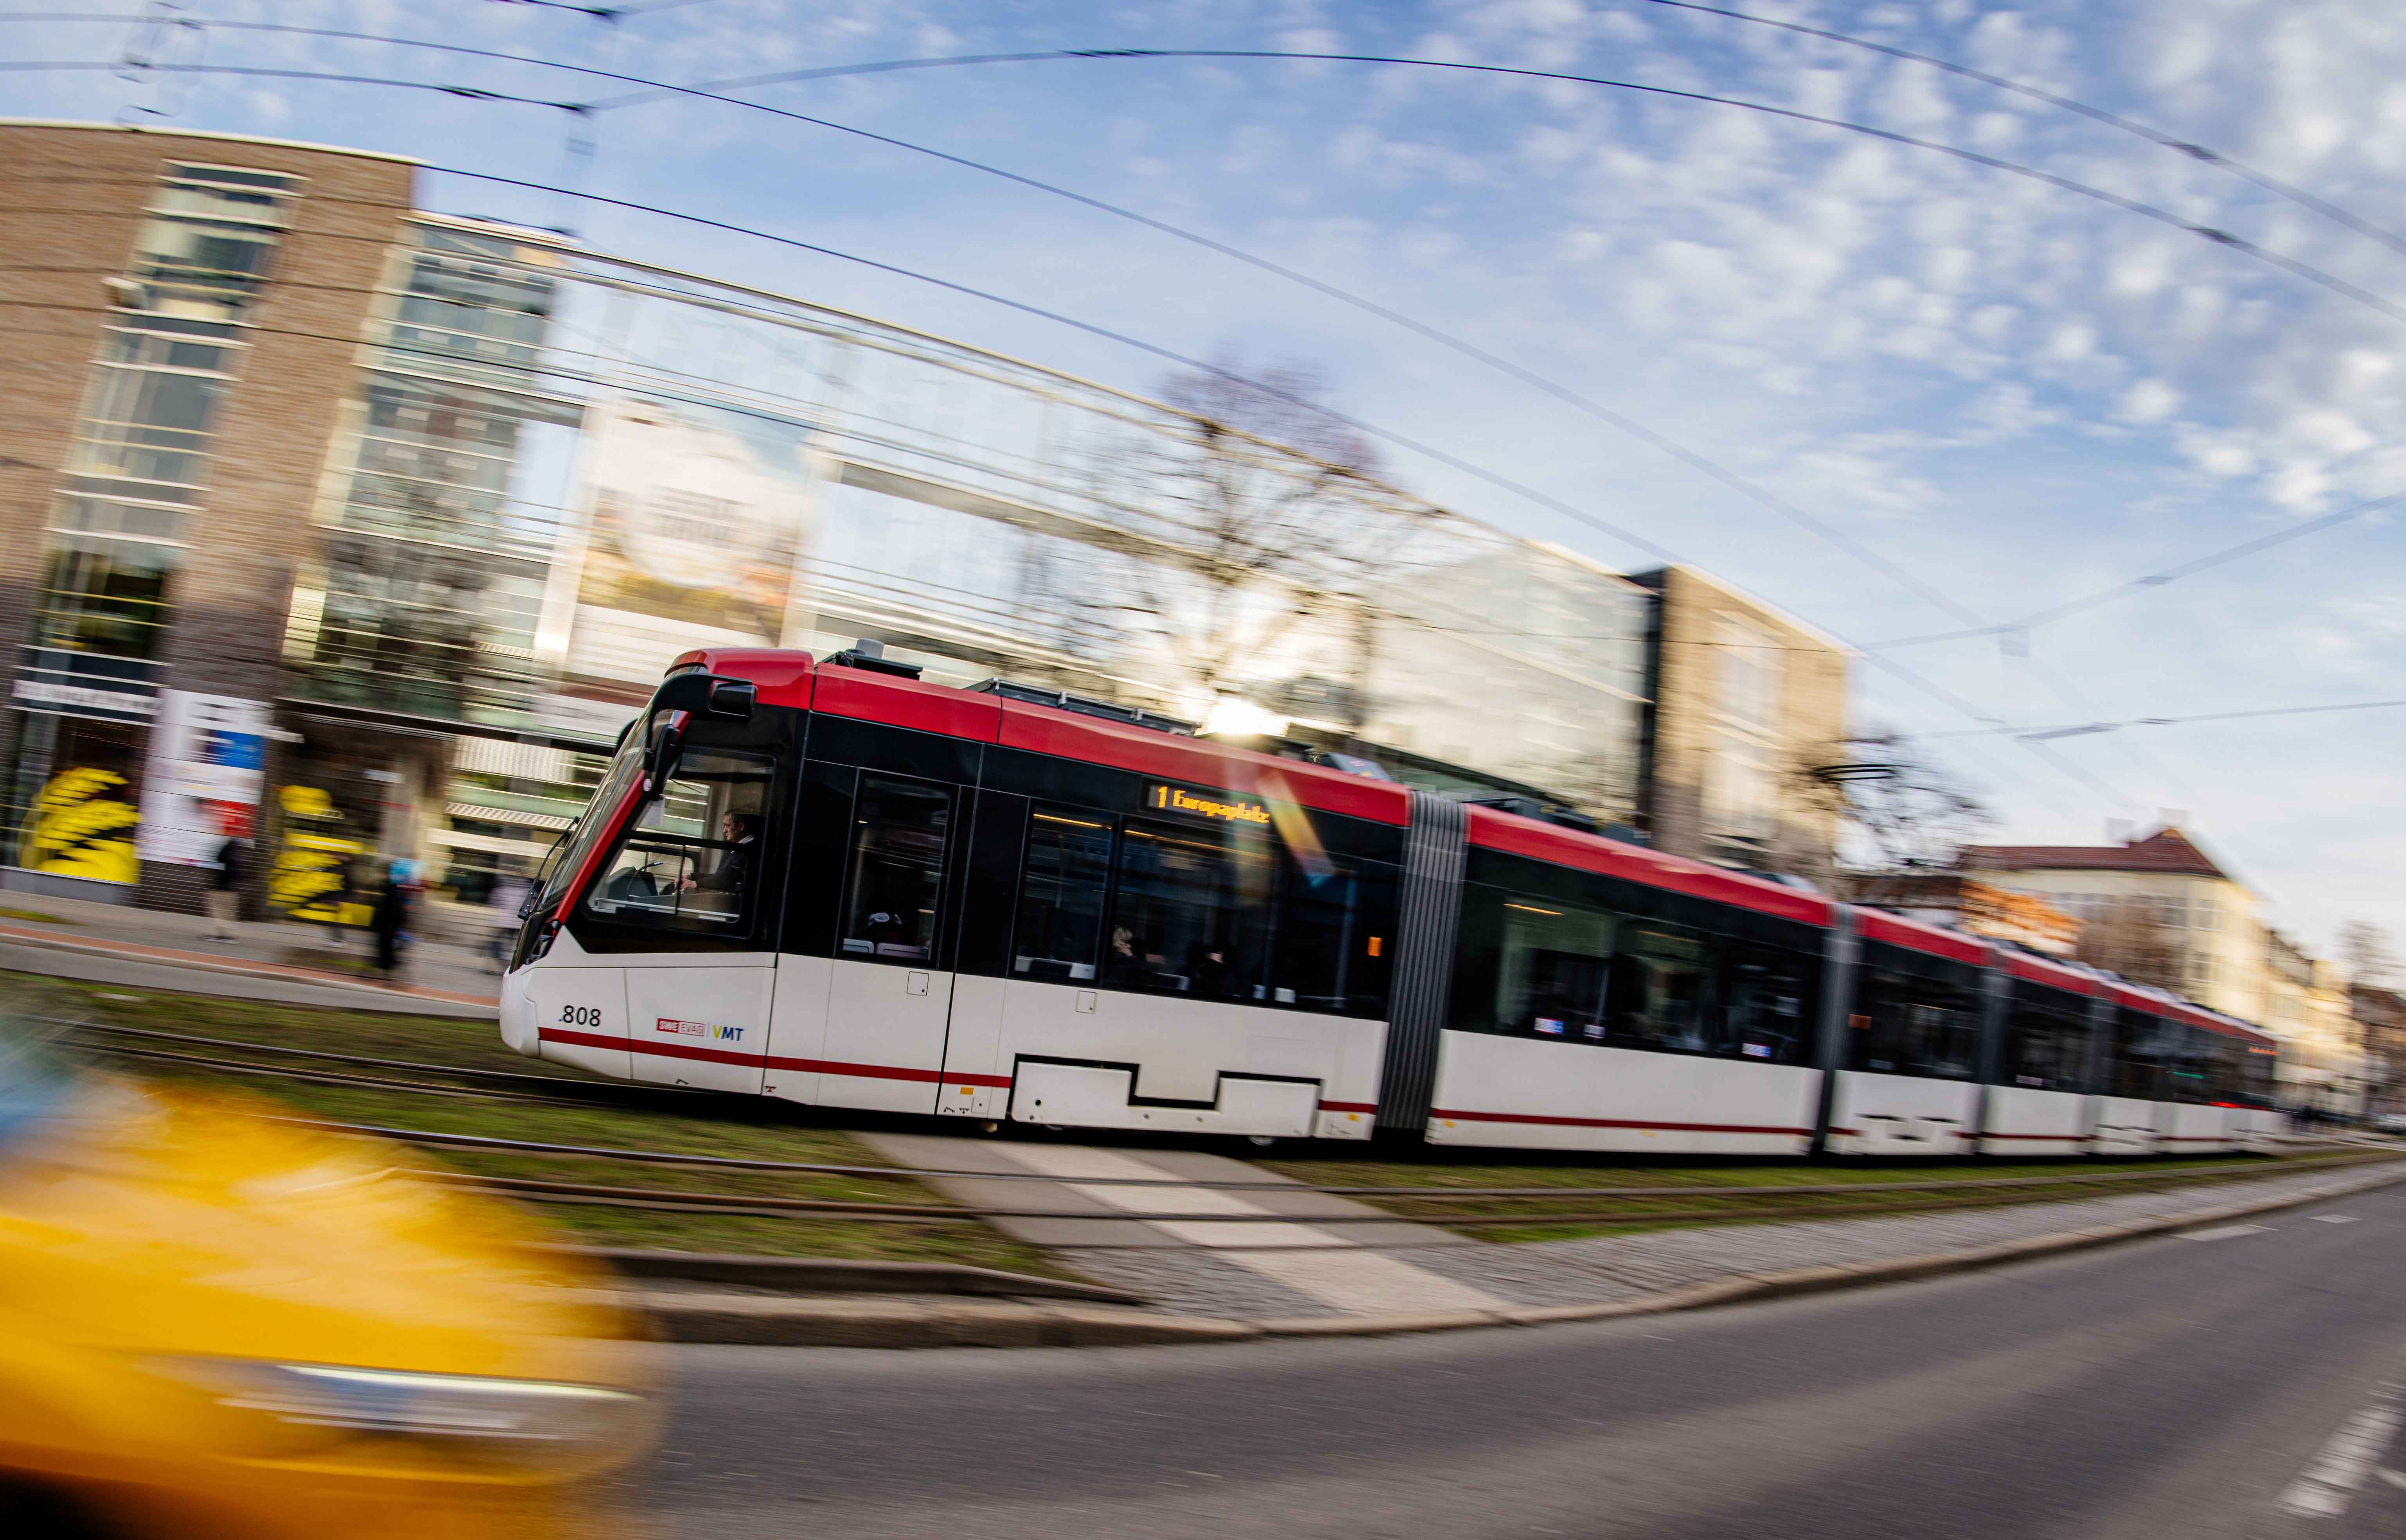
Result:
x=2334 y=1219
x=2330 y=1479
x=1327 y=1266
x=2224 y=1232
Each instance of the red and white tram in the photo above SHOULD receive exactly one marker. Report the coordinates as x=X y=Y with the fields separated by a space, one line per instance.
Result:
x=835 y=884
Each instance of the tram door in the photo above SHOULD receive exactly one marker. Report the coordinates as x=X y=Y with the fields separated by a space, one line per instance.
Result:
x=888 y=1004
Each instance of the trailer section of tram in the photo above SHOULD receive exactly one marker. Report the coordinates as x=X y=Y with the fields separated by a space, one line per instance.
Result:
x=2037 y=1101
x=1604 y=996
x=1908 y=1069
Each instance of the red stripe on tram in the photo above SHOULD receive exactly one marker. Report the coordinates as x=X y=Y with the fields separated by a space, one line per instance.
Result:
x=819 y=1067
x=1613 y=1122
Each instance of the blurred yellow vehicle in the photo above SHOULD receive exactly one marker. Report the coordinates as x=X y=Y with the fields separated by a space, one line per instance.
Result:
x=212 y=1324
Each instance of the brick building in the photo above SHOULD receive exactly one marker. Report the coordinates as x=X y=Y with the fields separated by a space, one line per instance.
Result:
x=169 y=413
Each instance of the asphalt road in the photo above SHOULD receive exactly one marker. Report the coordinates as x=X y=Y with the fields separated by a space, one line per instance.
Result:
x=2173 y=1387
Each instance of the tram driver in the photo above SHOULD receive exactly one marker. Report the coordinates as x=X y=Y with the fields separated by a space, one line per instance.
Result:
x=731 y=873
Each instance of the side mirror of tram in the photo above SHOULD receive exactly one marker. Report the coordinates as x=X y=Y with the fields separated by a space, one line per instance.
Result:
x=695 y=695
x=702 y=695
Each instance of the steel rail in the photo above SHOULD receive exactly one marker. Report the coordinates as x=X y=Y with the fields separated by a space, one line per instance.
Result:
x=588 y=1092
x=664 y=1158
x=381 y=1064
x=774 y=1206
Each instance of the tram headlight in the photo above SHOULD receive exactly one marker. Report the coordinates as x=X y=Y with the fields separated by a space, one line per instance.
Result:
x=524 y=1424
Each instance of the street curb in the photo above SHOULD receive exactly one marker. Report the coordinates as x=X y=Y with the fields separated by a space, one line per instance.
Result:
x=837 y=1275
x=893 y=1323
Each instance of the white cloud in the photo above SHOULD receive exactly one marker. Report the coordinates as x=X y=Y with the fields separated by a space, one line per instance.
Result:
x=2150 y=401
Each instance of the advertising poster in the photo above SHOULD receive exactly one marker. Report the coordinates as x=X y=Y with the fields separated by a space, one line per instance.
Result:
x=697 y=516
x=207 y=759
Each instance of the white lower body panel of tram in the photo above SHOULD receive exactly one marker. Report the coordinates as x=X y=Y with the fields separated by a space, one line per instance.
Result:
x=1906 y=1115
x=1527 y=1093
x=888 y=1037
x=2019 y=1121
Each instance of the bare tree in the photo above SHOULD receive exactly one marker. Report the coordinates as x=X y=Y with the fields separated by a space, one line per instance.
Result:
x=1284 y=404
x=1909 y=808
x=2369 y=953
x=1254 y=529
x=2130 y=938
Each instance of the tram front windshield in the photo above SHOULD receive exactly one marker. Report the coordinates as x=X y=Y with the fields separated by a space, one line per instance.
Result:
x=626 y=771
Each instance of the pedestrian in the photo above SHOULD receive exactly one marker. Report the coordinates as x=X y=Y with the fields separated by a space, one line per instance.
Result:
x=501 y=905
x=392 y=918
x=339 y=899
x=225 y=889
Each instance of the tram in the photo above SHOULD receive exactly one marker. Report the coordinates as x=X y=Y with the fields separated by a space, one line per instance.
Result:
x=834 y=883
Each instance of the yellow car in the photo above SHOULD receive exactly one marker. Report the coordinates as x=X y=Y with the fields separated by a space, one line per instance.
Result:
x=212 y=1324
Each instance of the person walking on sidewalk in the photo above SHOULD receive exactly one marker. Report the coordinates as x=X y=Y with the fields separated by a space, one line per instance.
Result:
x=338 y=900
x=225 y=890
x=392 y=918
x=501 y=905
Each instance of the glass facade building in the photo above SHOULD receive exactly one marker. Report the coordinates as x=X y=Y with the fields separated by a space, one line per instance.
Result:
x=526 y=476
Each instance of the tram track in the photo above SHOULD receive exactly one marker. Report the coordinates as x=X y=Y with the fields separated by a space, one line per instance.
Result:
x=1468 y=1209
x=1757 y=1204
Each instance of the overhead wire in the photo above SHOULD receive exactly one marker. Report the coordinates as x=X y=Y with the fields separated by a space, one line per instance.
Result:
x=2157 y=579
x=2074 y=730
x=1694 y=461
x=2195 y=151
x=1697 y=462
x=1701 y=463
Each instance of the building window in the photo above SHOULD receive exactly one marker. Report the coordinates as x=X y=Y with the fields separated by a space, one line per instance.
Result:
x=433 y=577
x=79 y=781
x=137 y=465
x=1741 y=791
x=211 y=239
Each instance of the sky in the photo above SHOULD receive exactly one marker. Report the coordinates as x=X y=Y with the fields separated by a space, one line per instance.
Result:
x=1986 y=395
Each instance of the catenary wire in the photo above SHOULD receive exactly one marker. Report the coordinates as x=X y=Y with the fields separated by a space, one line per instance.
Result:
x=2194 y=151
x=2072 y=729
x=2221 y=237
x=2157 y=579
x=1441 y=456
x=1694 y=461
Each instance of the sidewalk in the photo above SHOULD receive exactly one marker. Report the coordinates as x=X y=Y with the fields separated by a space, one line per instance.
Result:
x=1530 y=1285
x=272 y=960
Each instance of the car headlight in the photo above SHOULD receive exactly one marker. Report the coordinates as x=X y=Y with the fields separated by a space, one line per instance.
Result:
x=512 y=1421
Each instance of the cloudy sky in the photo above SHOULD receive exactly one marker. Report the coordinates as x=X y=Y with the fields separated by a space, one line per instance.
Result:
x=1994 y=394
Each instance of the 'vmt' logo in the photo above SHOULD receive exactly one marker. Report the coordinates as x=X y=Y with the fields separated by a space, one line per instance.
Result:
x=730 y=1033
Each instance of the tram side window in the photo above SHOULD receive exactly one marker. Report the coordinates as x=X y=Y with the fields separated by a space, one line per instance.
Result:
x=1661 y=992
x=1770 y=1003
x=896 y=875
x=1192 y=913
x=1331 y=949
x=2255 y=1073
x=693 y=860
x=1907 y=1025
x=2046 y=1045
x=2190 y=1059
x=1061 y=892
x=1555 y=964
x=2135 y=1066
